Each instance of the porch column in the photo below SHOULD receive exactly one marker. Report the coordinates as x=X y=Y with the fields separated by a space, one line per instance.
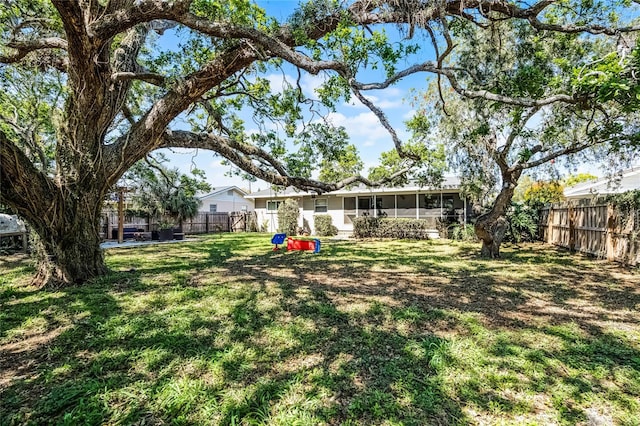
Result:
x=417 y=206
x=441 y=206
x=375 y=205
x=464 y=211
x=395 y=206
x=357 y=206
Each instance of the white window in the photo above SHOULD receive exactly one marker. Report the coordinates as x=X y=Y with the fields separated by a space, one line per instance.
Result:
x=272 y=206
x=321 y=205
x=213 y=208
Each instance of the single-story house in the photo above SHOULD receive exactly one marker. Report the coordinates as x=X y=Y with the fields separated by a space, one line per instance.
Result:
x=444 y=202
x=628 y=180
x=224 y=200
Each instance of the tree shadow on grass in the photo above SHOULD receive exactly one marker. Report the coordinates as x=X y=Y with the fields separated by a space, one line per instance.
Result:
x=351 y=335
x=554 y=293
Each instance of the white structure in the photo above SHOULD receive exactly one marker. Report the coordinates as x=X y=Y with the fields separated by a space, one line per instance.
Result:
x=343 y=205
x=11 y=226
x=224 y=200
x=628 y=181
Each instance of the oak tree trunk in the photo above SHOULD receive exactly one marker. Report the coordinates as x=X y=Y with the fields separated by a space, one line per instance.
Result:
x=68 y=248
x=491 y=227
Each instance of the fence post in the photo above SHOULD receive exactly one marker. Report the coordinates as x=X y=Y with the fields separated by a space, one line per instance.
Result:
x=609 y=249
x=206 y=223
x=572 y=228
x=550 y=225
x=109 y=227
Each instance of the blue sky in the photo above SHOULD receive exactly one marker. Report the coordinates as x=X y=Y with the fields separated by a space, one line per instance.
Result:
x=362 y=125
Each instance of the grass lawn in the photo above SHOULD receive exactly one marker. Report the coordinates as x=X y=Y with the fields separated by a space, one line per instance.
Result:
x=226 y=331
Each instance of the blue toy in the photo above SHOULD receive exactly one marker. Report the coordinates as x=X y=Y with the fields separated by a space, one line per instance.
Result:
x=278 y=239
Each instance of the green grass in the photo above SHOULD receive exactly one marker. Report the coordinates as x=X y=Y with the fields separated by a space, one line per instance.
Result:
x=225 y=331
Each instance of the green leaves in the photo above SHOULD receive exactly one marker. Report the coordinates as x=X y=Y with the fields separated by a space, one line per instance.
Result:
x=344 y=165
x=159 y=190
x=325 y=147
x=612 y=78
x=427 y=170
x=240 y=12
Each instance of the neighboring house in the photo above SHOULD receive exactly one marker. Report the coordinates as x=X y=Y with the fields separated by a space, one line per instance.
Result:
x=224 y=200
x=344 y=205
x=627 y=181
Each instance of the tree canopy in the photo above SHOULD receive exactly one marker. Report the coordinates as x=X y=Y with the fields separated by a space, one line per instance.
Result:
x=548 y=98
x=89 y=88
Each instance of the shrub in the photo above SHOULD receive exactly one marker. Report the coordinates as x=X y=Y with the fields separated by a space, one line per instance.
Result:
x=523 y=220
x=462 y=232
x=373 y=227
x=365 y=227
x=540 y=194
x=288 y=214
x=323 y=224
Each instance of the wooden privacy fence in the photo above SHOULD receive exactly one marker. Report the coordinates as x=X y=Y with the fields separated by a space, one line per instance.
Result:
x=599 y=229
x=201 y=223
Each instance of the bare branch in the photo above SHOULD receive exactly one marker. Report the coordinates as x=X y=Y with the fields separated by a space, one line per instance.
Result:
x=571 y=149
x=23 y=48
x=244 y=160
x=149 y=77
x=385 y=123
x=128 y=115
x=469 y=93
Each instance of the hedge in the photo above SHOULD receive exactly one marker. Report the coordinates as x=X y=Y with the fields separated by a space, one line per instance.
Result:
x=323 y=226
x=374 y=227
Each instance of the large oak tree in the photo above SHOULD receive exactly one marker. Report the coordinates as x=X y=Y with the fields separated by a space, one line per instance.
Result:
x=551 y=99
x=87 y=91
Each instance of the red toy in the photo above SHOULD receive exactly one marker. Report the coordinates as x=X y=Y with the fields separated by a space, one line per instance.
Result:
x=293 y=244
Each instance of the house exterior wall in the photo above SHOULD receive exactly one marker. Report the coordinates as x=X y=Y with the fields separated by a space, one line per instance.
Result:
x=333 y=207
x=226 y=203
x=344 y=208
x=268 y=218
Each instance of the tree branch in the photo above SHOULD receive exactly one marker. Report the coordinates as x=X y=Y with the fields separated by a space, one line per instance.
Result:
x=242 y=158
x=149 y=77
x=572 y=149
x=469 y=93
x=23 y=184
x=24 y=47
x=385 y=123
x=515 y=132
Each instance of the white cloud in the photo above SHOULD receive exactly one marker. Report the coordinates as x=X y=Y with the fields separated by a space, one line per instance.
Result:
x=310 y=83
x=409 y=114
x=363 y=125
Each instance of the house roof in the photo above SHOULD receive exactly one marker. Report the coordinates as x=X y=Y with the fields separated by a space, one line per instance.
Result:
x=221 y=190
x=449 y=183
x=628 y=180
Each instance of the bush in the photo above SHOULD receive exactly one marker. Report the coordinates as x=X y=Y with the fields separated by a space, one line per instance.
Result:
x=523 y=220
x=460 y=232
x=288 y=214
x=323 y=224
x=373 y=227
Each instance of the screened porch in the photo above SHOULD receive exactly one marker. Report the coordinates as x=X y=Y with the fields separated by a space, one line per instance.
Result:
x=449 y=207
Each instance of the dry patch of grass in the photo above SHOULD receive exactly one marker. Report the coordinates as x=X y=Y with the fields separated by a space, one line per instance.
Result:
x=225 y=331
